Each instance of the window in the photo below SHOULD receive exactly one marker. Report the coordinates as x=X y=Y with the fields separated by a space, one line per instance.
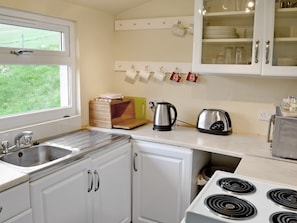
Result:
x=37 y=80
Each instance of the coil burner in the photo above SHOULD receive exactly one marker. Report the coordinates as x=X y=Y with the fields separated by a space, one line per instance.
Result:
x=231 y=207
x=234 y=198
x=236 y=185
x=285 y=197
x=283 y=217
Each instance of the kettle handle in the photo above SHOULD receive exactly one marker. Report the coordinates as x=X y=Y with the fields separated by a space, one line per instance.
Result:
x=175 y=114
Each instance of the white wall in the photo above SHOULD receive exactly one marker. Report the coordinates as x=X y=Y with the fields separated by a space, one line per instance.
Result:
x=242 y=97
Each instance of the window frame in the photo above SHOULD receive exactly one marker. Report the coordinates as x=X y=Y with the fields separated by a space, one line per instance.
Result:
x=42 y=57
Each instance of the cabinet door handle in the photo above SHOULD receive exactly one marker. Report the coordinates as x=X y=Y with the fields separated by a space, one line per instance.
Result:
x=134 y=162
x=267 y=47
x=90 y=180
x=96 y=174
x=257 y=52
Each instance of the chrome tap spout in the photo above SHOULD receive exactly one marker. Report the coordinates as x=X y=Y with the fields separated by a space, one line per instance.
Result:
x=27 y=136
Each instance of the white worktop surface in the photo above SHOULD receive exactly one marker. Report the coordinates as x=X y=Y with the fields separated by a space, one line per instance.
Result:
x=255 y=152
x=10 y=177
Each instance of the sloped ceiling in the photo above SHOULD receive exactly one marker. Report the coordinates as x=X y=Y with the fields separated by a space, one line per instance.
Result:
x=111 y=6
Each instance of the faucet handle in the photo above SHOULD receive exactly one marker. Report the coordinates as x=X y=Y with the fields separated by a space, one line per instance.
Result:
x=28 y=139
x=5 y=145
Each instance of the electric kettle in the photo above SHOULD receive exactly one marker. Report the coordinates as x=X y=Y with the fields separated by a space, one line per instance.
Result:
x=162 y=116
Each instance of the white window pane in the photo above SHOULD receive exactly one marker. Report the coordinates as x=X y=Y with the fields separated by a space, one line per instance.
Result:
x=30 y=38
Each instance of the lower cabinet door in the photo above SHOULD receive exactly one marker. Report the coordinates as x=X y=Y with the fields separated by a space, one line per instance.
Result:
x=63 y=197
x=112 y=185
x=161 y=182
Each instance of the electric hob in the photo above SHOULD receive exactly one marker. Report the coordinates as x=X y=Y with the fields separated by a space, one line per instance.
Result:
x=229 y=197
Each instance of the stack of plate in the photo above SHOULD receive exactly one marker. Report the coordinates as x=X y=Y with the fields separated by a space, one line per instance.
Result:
x=220 y=32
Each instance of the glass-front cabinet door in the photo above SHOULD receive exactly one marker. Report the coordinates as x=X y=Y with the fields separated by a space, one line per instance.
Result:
x=280 y=39
x=254 y=37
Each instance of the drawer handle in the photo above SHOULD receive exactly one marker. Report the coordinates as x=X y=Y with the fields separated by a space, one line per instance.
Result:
x=96 y=174
x=90 y=180
x=1 y=209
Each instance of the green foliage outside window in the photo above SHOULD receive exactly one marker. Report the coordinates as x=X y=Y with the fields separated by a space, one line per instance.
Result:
x=28 y=88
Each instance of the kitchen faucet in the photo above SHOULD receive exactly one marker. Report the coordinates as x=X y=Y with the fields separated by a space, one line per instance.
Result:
x=27 y=137
x=17 y=142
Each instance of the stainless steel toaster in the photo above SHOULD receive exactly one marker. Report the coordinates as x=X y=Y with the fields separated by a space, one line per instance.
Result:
x=214 y=121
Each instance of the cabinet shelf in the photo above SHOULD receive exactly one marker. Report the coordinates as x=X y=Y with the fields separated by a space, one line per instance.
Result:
x=229 y=14
x=286 y=39
x=286 y=12
x=232 y=40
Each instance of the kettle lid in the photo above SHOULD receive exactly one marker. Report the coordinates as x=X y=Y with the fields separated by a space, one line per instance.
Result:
x=163 y=103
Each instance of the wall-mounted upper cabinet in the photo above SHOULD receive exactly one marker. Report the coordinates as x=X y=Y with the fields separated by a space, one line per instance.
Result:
x=254 y=37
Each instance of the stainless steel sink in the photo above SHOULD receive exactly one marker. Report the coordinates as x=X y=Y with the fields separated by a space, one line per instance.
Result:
x=35 y=155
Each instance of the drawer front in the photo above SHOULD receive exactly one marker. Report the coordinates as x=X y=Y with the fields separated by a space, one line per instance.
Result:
x=14 y=201
x=25 y=217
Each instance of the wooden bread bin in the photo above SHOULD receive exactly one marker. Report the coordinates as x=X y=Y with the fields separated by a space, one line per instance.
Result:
x=114 y=114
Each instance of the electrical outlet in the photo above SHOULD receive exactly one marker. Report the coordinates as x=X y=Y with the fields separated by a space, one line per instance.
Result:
x=151 y=104
x=152 y=101
x=265 y=115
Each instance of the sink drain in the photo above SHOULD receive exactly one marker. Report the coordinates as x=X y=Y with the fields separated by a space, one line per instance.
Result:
x=20 y=154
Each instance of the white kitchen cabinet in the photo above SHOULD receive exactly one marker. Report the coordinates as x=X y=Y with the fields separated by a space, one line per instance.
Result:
x=112 y=197
x=162 y=181
x=96 y=189
x=63 y=196
x=15 y=205
x=253 y=37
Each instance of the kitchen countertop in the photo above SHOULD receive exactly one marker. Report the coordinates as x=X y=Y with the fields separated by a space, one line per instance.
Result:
x=11 y=177
x=232 y=145
x=279 y=171
x=81 y=143
x=256 y=159
x=254 y=151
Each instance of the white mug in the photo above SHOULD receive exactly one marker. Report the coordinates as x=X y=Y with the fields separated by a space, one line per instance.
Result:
x=178 y=29
x=191 y=29
x=159 y=75
x=144 y=74
x=131 y=74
